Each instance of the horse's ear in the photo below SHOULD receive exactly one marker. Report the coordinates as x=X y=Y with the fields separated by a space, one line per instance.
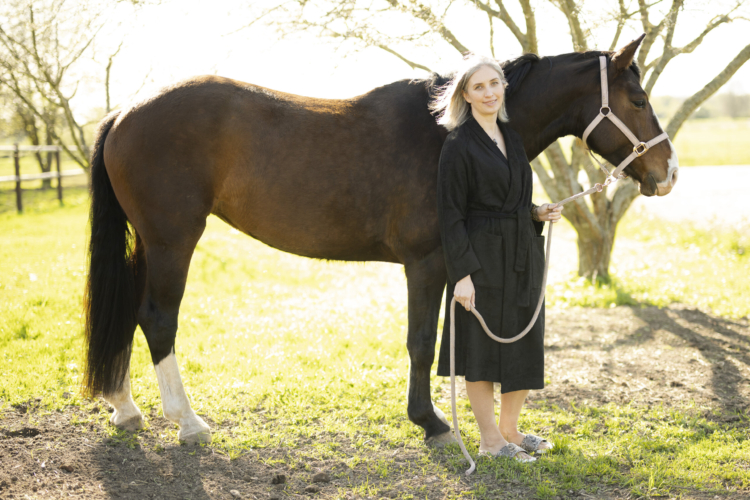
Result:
x=623 y=58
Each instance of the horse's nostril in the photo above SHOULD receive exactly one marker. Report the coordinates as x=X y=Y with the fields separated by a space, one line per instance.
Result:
x=673 y=181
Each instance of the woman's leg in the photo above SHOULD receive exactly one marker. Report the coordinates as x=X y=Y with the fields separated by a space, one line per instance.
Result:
x=482 y=399
x=511 y=404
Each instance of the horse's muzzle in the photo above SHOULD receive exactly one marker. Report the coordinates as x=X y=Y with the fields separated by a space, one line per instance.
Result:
x=665 y=187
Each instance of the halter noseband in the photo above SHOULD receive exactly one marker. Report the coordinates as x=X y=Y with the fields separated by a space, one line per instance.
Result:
x=639 y=148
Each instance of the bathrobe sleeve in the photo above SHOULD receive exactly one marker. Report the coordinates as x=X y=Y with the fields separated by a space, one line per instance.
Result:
x=453 y=194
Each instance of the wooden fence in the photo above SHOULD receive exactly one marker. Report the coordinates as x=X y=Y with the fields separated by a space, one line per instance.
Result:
x=18 y=178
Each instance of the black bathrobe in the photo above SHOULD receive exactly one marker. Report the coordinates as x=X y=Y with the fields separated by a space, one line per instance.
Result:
x=484 y=203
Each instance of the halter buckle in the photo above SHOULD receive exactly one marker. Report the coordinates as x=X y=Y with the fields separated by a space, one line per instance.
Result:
x=601 y=110
x=640 y=149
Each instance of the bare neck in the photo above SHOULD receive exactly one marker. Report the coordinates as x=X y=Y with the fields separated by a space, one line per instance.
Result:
x=487 y=122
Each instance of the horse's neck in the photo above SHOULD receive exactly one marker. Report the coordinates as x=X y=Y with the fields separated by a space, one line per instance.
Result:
x=548 y=106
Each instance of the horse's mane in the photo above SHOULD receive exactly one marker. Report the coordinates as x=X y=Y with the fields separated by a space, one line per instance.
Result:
x=516 y=69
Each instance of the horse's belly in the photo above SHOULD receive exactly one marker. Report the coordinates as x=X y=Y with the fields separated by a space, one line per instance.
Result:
x=309 y=232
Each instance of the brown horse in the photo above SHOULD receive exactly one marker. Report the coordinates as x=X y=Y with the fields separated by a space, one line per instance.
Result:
x=352 y=179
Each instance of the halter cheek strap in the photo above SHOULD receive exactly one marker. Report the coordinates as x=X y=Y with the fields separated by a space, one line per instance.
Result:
x=639 y=148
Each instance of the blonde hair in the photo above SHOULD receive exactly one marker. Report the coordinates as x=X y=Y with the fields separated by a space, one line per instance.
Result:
x=449 y=103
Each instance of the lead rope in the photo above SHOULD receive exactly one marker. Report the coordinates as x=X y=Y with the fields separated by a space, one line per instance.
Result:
x=594 y=189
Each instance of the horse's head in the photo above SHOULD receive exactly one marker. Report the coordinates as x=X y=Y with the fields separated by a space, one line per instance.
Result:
x=656 y=168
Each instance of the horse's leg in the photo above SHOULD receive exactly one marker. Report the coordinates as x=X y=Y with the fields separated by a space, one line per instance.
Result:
x=425 y=280
x=127 y=415
x=167 y=269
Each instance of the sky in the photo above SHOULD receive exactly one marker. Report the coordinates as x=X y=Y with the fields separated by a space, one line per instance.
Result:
x=178 y=39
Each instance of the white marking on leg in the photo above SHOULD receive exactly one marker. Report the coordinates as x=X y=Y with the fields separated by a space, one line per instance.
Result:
x=126 y=415
x=439 y=413
x=176 y=405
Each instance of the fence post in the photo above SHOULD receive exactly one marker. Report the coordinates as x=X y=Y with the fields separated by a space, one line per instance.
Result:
x=17 y=165
x=59 y=177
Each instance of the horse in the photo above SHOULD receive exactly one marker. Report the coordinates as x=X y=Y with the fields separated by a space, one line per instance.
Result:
x=341 y=179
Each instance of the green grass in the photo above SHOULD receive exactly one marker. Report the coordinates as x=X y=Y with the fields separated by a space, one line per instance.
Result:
x=278 y=350
x=658 y=264
x=714 y=141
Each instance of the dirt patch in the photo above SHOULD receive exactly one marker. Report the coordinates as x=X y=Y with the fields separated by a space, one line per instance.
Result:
x=643 y=356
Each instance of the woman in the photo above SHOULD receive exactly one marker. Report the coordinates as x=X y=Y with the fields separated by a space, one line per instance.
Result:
x=494 y=252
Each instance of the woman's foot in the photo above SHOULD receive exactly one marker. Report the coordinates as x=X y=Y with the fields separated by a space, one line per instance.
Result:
x=503 y=448
x=528 y=442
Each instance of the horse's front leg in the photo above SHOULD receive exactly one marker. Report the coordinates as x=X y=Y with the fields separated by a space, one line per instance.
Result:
x=425 y=280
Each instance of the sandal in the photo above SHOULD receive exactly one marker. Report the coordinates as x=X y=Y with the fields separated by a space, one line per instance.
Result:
x=510 y=450
x=531 y=444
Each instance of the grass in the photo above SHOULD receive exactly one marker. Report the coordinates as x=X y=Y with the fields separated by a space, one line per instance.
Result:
x=705 y=267
x=714 y=141
x=279 y=350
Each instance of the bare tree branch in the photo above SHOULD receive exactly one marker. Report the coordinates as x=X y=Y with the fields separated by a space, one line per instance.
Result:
x=112 y=56
x=691 y=104
x=531 y=45
x=413 y=64
x=425 y=14
x=504 y=16
x=492 y=35
x=671 y=52
x=571 y=11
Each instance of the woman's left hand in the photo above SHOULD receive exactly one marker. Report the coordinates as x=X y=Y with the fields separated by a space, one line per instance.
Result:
x=549 y=212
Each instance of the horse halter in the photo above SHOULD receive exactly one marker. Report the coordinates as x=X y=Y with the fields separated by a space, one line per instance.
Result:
x=639 y=148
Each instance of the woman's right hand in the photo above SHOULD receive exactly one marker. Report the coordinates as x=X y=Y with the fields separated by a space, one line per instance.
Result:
x=464 y=293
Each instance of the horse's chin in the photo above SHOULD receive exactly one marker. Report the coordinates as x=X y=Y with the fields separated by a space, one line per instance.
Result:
x=649 y=186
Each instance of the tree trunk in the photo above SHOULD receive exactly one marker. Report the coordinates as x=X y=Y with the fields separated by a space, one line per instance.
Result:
x=594 y=252
x=594 y=220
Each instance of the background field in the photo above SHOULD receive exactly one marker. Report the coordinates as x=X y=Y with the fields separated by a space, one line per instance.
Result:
x=300 y=365
x=714 y=141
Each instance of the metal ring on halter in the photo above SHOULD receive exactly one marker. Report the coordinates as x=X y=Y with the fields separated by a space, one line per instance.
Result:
x=601 y=110
x=641 y=152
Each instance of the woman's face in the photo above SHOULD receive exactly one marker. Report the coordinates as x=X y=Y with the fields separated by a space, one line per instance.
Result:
x=485 y=91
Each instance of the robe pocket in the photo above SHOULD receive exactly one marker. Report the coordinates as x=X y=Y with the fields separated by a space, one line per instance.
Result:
x=538 y=250
x=489 y=303
x=488 y=248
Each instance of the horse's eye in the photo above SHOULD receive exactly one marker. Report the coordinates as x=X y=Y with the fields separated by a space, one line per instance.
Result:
x=640 y=103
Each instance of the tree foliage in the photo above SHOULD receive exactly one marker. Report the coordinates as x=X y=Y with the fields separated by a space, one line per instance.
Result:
x=43 y=46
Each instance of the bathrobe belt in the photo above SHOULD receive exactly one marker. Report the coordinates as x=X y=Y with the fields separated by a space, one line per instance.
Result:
x=516 y=286
x=523 y=233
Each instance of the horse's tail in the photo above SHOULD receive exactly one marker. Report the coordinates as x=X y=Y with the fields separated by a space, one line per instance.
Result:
x=110 y=301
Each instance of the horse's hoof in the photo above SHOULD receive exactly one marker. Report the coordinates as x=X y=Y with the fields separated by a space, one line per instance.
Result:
x=441 y=440
x=130 y=424
x=202 y=436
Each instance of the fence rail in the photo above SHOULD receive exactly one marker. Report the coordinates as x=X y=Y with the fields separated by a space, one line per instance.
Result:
x=18 y=178
x=35 y=149
x=44 y=175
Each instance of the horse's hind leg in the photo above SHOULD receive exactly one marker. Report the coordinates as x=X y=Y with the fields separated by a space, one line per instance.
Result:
x=127 y=415
x=425 y=280
x=167 y=269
